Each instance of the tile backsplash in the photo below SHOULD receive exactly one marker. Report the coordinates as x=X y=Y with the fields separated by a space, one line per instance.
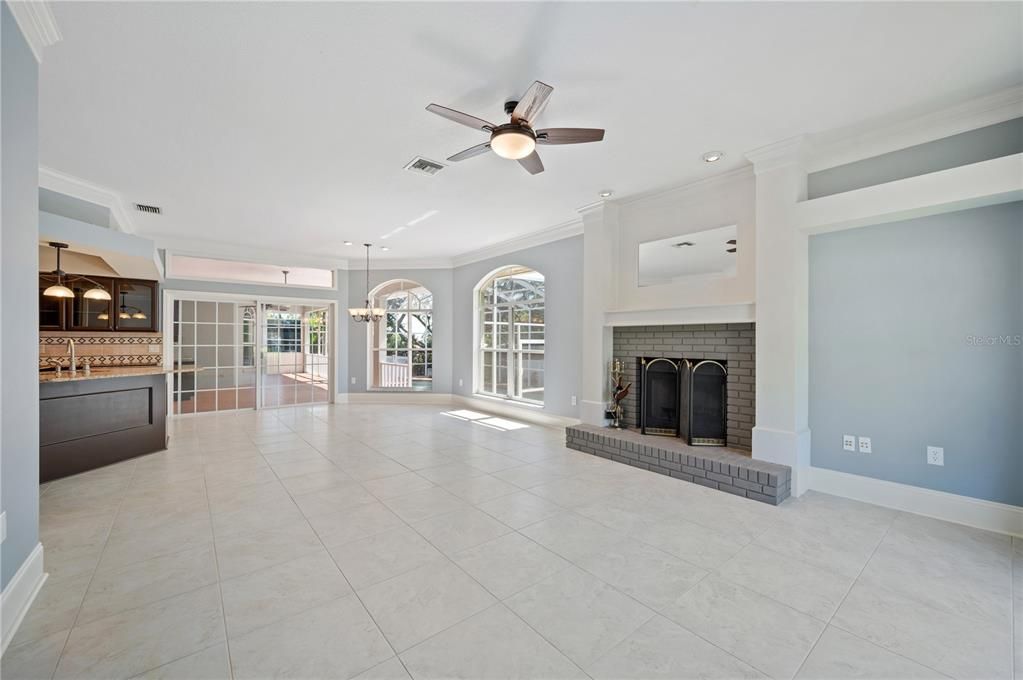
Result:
x=101 y=348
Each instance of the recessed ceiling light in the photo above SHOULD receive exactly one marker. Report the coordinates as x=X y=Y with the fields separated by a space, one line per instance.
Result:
x=606 y=193
x=384 y=248
x=348 y=243
x=713 y=156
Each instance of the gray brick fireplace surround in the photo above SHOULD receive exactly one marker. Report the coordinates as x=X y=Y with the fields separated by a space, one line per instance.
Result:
x=732 y=342
x=725 y=469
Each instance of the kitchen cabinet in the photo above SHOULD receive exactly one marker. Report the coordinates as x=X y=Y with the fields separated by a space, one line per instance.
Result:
x=51 y=309
x=87 y=314
x=134 y=306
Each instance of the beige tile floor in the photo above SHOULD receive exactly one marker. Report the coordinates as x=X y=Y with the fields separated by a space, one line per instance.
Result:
x=389 y=542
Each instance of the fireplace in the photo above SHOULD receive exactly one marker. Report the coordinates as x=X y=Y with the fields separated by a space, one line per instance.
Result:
x=684 y=398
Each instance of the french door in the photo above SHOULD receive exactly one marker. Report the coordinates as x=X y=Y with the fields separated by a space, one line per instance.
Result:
x=230 y=354
x=294 y=364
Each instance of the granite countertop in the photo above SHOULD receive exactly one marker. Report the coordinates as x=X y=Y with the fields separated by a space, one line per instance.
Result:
x=107 y=372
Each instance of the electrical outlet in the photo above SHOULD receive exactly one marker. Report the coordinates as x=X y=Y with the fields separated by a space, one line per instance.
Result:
x=864 y=444
x=573 y=400
x=849 y=442
x=460 y=382
x=353 y=380
x=935 y=455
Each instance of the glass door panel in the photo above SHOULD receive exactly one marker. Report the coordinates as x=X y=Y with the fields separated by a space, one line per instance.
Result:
x=210 y=351
x=295 y=355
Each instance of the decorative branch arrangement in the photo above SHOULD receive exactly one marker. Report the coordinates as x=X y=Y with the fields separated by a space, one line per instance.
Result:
x=619 y=391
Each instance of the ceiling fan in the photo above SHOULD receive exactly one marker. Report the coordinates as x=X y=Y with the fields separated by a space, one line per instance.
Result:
x=517 y=140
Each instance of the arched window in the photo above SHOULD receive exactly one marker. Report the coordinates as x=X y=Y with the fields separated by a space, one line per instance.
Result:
x=401 y=343
x=510 y=310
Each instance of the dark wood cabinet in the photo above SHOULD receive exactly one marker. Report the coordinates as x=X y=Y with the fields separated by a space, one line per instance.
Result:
x=133 y=306
x=136 y=303
x=87 y=314
x=51 y=309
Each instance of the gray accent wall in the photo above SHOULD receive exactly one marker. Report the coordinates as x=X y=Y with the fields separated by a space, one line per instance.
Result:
x=915 y=340
x=19 y=316
x=982 y=144
x=561 y=263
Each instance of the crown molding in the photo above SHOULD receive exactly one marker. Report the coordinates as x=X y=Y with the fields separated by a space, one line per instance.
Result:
x=791 y=151
x=76 y=187
x=706 y=183
x=876 y=137
x=558 y=232
x=400 y=263
x=37 y=24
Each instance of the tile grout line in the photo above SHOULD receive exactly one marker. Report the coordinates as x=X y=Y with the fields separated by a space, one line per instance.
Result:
x=92 y=576
x=856 y=580
x=354 y=592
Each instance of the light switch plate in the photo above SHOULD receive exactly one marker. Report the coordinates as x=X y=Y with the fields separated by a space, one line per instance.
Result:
x=935 y=455
x=865 y=445
x=353 y=380
x=849 y=442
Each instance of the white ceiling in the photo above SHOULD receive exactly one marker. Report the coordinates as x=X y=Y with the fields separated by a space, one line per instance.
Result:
x=285 y=126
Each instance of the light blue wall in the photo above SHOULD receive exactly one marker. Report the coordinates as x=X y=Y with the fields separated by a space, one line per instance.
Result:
x=19 y=341
x=561 y=263
x=895 y=311
x=993 y=141
x=438 y=281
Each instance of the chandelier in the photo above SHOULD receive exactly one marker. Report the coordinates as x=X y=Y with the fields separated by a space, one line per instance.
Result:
x=367 y=313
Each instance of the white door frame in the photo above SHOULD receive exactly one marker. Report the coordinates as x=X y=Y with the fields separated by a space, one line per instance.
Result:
x=334 y=342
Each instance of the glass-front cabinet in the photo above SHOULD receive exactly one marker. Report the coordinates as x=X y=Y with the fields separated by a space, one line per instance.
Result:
x=88 y=314
x=136 y=305
x=133 y=305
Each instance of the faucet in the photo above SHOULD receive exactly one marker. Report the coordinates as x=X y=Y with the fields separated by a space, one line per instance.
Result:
x=71 y=350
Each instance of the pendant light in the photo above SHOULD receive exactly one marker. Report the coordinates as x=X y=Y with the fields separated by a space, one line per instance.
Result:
x=96 y=293
x=58 y=290
x=367 y=313
x=125 y=313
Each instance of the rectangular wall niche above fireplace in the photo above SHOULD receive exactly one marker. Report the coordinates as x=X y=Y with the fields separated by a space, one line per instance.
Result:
x=684 y=398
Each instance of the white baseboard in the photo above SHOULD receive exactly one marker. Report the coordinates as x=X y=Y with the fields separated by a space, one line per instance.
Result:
x=393 y=398
x=974 y=512
x=19 y=594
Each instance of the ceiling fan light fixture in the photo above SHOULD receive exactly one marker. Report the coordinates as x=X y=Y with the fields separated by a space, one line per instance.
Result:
x=512 y=142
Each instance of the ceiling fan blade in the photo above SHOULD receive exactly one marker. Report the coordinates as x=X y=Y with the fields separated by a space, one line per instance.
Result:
x=459 y=117
x=532 y=163
x=470 y=152
x=569 y=135
x=532 y=103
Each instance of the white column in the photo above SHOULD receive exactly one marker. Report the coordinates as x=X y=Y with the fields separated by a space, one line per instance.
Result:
x=600 y=236
x=781 y=434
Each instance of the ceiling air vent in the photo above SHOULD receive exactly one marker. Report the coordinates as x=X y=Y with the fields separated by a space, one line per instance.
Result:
x=152 y=209
x=424 y=166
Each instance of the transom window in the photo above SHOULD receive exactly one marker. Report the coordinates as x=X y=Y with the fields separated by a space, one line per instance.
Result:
x=510 y=308
x=401 y=343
